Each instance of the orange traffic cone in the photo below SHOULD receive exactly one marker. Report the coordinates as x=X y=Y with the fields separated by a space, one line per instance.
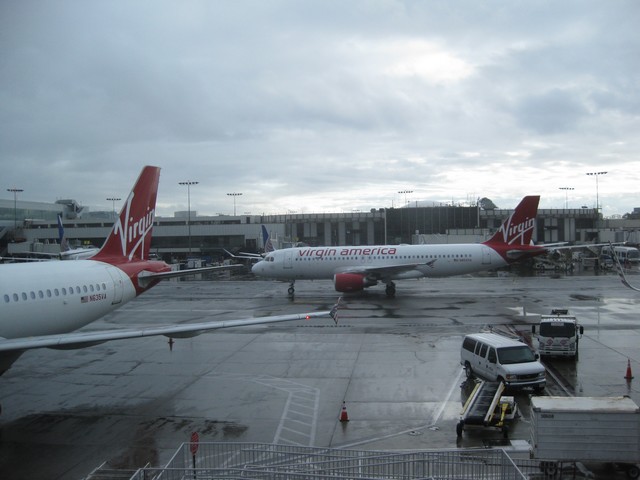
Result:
x=343 y=415
x=628 y=376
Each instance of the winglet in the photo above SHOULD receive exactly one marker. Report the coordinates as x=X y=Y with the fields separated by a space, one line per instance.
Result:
x=130 y=238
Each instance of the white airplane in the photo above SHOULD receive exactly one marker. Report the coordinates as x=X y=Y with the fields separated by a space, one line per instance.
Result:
x=43 y=304
x=355 y=268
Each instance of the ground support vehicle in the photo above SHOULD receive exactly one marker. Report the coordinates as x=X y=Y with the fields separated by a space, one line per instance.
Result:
x=558 y=334
x=627 y=256
x=486 y=407
x=497 y=358
x=586 y=430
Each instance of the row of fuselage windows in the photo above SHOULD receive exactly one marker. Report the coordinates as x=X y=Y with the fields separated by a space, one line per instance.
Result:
x=388 y=257
x=55 y=292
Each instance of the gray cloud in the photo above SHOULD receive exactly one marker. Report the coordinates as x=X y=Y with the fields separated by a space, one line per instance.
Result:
x=320 y=105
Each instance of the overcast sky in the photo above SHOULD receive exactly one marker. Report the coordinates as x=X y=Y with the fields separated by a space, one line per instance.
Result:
x=321 y=106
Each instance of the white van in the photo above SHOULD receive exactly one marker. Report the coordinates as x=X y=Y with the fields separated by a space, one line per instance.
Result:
x=497 y=358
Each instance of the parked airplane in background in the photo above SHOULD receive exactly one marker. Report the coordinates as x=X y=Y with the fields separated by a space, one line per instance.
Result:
x=355 y=268
x=40 y=303
x=268 y=247
x=68 y=253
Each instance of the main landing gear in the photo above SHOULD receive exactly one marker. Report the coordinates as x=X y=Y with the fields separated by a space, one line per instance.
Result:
x=390 y=290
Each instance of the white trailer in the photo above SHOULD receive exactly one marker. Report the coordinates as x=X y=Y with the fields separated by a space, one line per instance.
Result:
x=585 y=429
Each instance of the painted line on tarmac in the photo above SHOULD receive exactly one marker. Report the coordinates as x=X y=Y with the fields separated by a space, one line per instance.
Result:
x=557 y=380
x=299 y=421
x=439 y=412
x=443 y=405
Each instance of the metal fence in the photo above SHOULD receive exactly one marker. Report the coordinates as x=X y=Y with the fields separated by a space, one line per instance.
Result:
x=268 y=461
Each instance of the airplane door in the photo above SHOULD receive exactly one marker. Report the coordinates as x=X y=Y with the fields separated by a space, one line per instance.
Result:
x=486 y=255
x=288 y=260
x=117 y=286
x=482 y=358
x=492 y=368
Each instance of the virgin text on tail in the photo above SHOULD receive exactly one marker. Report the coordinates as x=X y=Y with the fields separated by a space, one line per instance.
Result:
x=133 y=229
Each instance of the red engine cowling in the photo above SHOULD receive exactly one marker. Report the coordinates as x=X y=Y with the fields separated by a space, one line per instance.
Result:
x=351 y=282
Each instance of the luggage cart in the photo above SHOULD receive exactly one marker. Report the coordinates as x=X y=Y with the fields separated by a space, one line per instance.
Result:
x=486 y=407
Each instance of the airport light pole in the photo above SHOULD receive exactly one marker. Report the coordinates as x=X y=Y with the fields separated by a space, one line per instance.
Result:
x=15 y=192
x=188 y=184
x=114 y=200
x=566 y=195
x=405 y=194
x=407 y=205
x=597 y=174
x=234 y=195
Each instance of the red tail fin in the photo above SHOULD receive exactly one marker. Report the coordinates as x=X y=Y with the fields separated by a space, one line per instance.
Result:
x=130 y=238
x=517 y=230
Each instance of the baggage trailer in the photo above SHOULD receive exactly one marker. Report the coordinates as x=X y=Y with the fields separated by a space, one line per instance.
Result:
x=486 y=407
x=585 y=429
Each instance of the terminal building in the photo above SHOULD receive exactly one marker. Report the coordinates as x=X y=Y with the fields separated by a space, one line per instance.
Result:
x=28 y=227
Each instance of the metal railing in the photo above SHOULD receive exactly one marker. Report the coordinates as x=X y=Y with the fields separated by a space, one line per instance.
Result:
x=257 y=460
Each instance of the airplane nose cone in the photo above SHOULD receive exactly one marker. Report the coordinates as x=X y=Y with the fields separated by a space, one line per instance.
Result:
x=257 y=268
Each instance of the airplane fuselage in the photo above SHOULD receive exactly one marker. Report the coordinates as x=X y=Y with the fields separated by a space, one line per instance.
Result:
x=358 y=267
x=57 y=297
x=420 y=261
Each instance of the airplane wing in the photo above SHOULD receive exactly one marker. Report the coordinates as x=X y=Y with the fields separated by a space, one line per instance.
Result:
x=563 y=245
x=386 y=271
x=68 y=341
x=623 y=277
x=22 y=259
x=184 y=273
x=256 y=257
x=44 y=254
x=517 y=253
x=76 y=254
x=555 y=246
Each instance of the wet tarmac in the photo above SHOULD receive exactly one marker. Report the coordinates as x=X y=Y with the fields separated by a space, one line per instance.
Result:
x=394 y=362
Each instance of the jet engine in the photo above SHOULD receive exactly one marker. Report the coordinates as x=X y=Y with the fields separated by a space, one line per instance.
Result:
x=352 y=282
